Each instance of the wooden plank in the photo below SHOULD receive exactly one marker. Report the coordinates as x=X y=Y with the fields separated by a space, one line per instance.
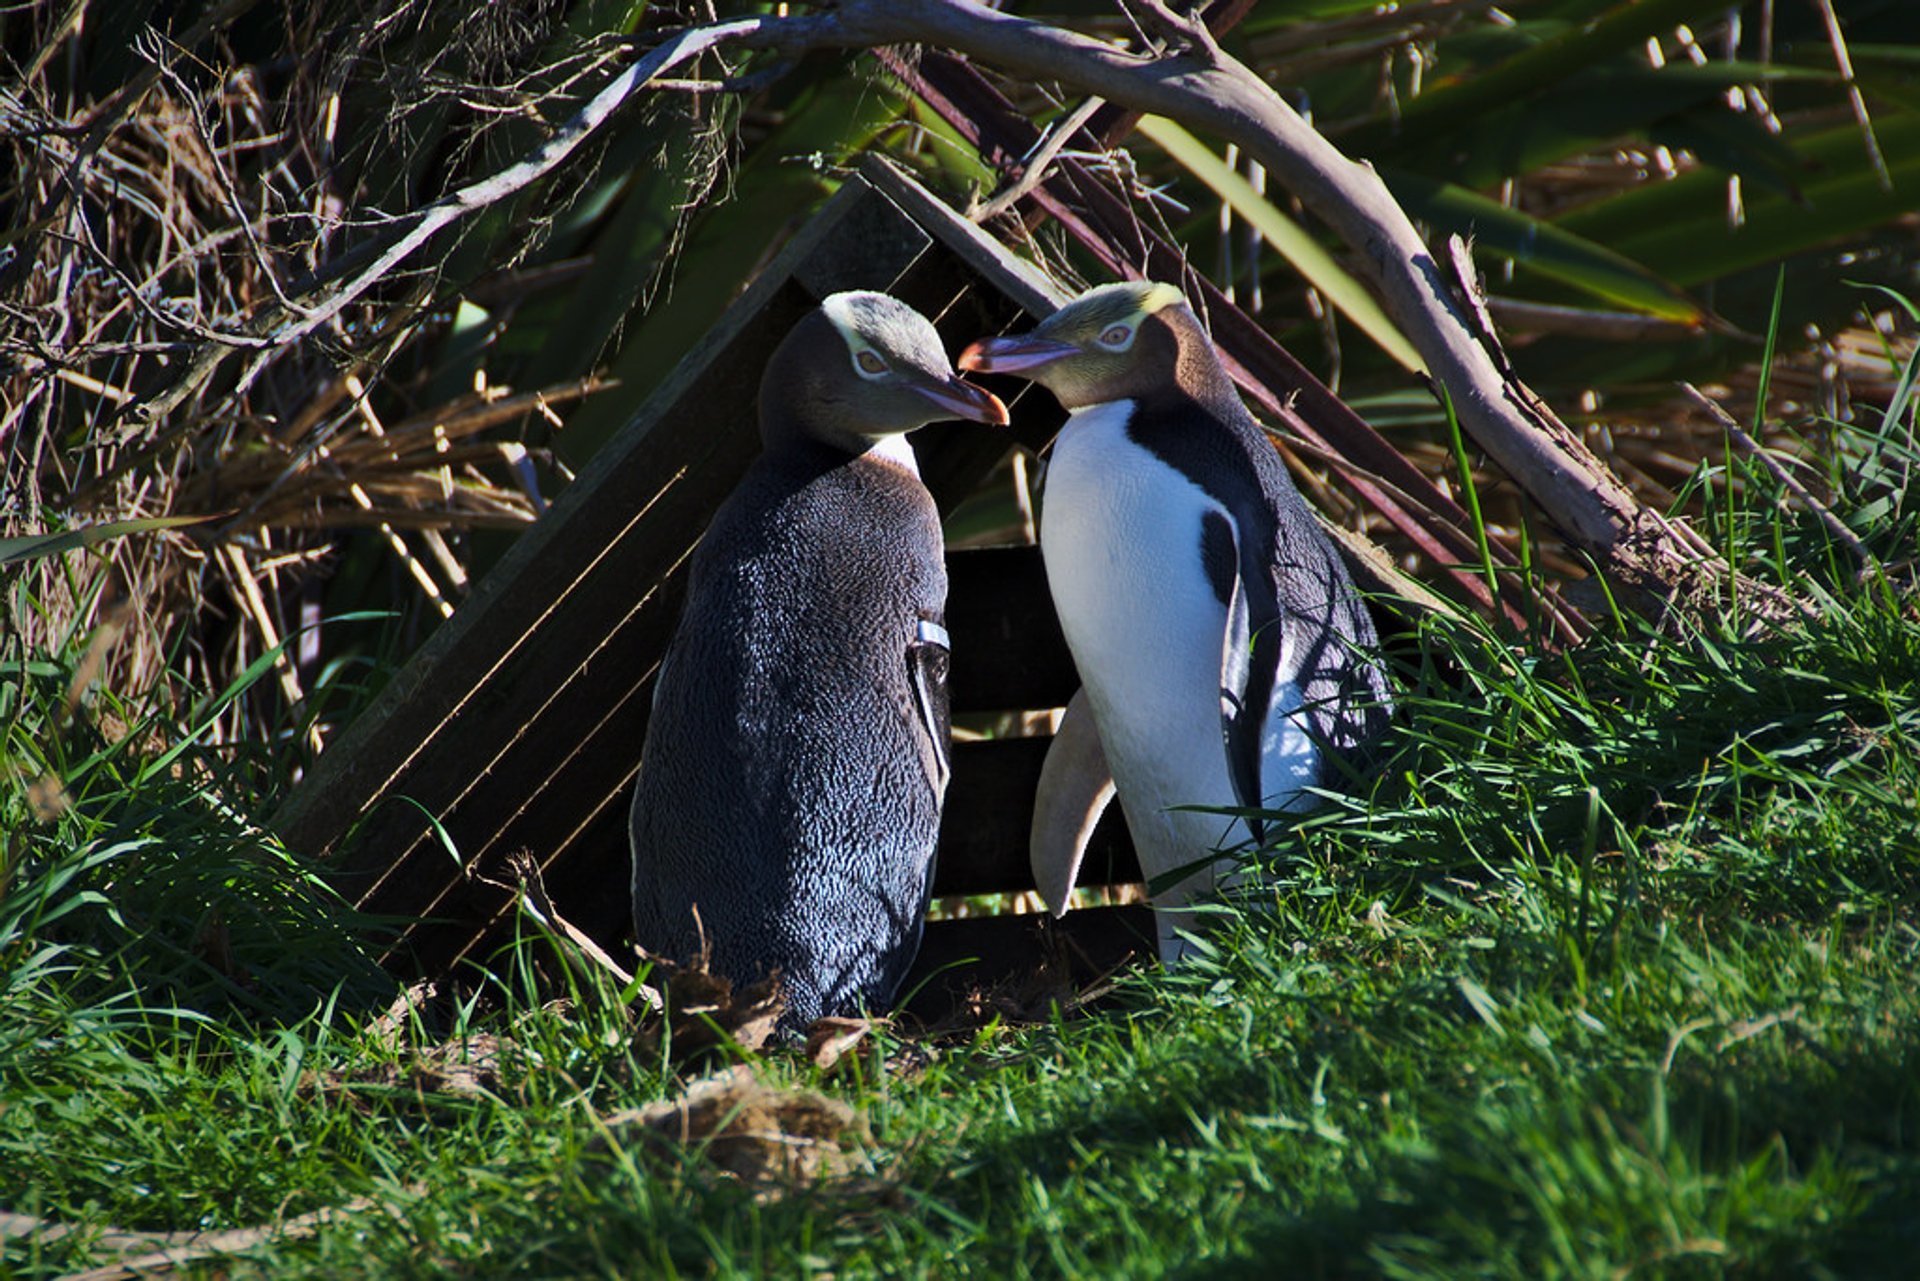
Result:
x=571 y=675
x=983 y=849
x=960 y=959
x=1011 y=277
x=529 y=708
x=955 y=456
x=954 y=469
x=518 y=725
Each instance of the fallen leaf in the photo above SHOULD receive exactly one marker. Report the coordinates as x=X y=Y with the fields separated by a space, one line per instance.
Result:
x=830 y=1038
x=705 y=1011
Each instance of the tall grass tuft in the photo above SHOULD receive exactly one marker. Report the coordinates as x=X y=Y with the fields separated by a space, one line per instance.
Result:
x=1609 y=974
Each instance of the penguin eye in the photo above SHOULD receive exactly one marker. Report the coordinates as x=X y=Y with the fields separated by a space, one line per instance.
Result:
x=1116 y=336
x=870 y=364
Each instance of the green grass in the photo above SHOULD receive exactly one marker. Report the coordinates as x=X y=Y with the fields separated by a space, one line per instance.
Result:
x=1611 y=975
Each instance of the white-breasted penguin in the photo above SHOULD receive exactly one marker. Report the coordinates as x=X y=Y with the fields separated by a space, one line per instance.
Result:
x=789 y=793
x=1224 y=655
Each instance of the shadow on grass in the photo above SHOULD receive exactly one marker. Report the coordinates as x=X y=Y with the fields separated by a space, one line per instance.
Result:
x=1770 y=1154
x=1807 y=1165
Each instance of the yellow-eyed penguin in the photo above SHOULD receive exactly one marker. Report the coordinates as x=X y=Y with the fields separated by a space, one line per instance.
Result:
x=1224 y=654
x=790 y=787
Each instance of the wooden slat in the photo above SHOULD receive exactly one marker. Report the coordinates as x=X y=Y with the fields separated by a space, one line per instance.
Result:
x=955 y=456
x=983 y=847
x=1005 y=636
x=435 y=689
x=527 y=710
x=1012 y=278
x=518 y=725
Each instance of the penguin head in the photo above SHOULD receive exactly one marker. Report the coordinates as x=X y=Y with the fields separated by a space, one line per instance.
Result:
x=863 y=367
x=1115 y=342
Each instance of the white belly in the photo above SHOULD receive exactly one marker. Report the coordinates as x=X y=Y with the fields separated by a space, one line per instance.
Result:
x=1120 y=531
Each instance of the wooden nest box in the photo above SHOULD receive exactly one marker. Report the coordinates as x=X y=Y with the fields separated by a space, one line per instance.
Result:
x=518 y=725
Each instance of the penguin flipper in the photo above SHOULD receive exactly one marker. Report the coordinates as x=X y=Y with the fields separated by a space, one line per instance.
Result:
x=928 y=658
x=1243 y=705
x=1075 y=788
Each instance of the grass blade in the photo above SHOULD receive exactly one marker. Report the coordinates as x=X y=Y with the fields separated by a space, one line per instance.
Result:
x=1288 y=237
x=34 y=546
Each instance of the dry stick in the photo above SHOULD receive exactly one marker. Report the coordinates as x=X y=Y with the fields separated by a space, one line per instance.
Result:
x=1648 y=559
x=400 y=240
x=1036 y=164
x=1091 y=214
x=256 y=606
x=1869 y=564
x=121 y=104
x=364 y=408
x=1855 y=99
x=146 y=1254
x=531 y=890
x=1473 y=294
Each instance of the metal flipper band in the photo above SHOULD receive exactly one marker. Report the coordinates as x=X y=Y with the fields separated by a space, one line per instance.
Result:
x=933 y=634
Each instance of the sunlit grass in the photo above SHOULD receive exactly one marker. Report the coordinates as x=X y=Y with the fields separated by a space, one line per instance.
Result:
x=1610 y=973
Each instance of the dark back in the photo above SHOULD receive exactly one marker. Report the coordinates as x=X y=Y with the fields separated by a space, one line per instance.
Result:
x=786 y=790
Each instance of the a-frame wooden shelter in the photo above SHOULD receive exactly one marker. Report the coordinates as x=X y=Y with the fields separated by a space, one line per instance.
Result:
x=518 y=725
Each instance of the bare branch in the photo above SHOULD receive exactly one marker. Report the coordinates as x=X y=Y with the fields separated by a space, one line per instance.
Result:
x=1869 y=565
x=1649 y=559
x=1037 y=161
x=276 y=326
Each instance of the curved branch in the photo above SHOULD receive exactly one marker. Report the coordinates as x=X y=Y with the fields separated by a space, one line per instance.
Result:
x=1651 y=559
x=283 y=323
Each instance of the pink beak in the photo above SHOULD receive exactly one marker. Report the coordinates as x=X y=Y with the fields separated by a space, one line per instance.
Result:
x=1013 y=355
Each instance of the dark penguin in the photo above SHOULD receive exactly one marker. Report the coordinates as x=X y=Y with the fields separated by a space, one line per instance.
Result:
x=790 y=786
x=1223 y=652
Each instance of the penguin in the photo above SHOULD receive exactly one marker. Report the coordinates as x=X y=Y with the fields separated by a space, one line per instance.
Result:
x=1226 y=659
x=790 y=785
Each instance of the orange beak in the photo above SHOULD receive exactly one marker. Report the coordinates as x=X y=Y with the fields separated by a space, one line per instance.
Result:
x=961 y=399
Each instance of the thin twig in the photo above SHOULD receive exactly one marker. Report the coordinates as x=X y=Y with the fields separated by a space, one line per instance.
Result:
x=146 y=1254
x=1198 y=83
x=531 y=891
x=256 y=608
x=1473 y=296
x=276 y=324
x=1037 y=161
x=1869 y=564
x=1855 y=99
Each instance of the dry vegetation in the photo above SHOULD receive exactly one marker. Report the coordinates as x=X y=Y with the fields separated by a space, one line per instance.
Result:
x=181 y=206
x=162 y=190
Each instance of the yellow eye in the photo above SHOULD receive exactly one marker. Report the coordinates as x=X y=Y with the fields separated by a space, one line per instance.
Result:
x=870 y=363
x=1116 y=336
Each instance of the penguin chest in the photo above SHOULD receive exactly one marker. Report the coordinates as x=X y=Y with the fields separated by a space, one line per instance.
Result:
x=1121 y=534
